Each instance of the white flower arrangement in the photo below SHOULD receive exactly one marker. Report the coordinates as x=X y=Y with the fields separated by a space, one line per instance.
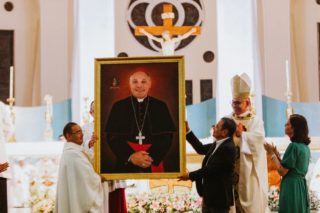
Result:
x=42 y=197
x=156 y=202
x=273 y=198
x=314 y=200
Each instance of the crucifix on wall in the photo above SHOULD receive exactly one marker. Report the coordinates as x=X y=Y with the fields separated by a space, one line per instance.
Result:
x=167 y=30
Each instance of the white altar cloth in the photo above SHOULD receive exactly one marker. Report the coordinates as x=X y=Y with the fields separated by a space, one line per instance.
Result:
x=34 y=148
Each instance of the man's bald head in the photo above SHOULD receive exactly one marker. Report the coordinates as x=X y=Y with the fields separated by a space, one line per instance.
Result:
x=140 y=83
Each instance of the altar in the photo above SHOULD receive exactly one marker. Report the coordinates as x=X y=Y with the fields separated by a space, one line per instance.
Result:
x=34 y=172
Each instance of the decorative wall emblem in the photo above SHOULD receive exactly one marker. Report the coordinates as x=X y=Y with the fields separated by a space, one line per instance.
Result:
x=151 y=22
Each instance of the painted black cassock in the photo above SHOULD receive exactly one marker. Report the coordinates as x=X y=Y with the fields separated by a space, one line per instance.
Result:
x=157 y=127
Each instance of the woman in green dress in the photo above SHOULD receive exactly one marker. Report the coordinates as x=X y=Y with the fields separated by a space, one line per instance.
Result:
x=293 y=167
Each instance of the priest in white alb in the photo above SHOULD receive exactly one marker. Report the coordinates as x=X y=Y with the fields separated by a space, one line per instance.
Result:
x=79 y=186
x=251 y=179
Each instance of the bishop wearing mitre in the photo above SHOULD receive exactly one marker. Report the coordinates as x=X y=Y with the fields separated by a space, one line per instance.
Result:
x=251 y=179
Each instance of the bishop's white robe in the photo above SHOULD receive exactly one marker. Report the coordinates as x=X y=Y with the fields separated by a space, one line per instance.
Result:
x=252 y=165
x=79 y=187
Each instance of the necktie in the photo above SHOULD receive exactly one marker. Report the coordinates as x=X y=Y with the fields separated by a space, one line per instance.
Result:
x=212 y=148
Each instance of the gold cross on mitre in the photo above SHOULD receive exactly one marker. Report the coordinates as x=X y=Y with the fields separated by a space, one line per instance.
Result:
x=170 y=183
x=167 y=17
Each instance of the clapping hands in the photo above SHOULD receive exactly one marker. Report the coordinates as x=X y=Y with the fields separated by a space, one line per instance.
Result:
x=4 y=166
x=271 y=149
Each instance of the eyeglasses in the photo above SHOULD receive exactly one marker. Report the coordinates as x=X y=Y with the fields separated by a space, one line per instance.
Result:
x=236 y=103
x=77 y=132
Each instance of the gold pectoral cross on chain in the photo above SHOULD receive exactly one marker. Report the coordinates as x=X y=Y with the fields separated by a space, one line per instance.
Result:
x=140 y=137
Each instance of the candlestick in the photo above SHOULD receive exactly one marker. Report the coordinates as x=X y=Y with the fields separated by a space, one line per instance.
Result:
x=12 y=134
x=48 y=132
x=288 y=77
x=86 y=114
x=11 y=83
x=289 y=109
x=48 y=100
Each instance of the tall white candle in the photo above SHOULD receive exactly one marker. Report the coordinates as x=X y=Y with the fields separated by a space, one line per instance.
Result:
x=48 y=100
x=11 y=83
x=288 y=77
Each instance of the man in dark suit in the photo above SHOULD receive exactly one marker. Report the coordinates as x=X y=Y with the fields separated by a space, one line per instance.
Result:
x=214 y=179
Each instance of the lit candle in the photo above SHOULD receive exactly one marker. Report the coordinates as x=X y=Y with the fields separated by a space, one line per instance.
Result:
x=288 y=77
x=11 y=83
x=48 y=100
x=50 y=106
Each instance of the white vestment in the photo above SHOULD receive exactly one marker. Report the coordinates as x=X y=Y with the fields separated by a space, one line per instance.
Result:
x=108 y=186
x=253 y=172
x=79 y=187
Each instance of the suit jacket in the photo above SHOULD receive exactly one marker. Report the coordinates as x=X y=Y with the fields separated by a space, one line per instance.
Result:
x=215 y=178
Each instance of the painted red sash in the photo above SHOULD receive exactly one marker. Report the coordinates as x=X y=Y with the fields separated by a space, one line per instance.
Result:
x=145 y=147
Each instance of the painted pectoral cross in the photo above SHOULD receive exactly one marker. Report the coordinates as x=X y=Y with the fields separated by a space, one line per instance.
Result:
x=140 y=137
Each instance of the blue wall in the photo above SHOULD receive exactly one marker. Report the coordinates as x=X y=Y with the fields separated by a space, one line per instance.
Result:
x=201 y=116
x=274 y=116
x=30 y=121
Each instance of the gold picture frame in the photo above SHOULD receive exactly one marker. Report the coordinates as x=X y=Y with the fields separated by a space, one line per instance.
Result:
x=115 y=130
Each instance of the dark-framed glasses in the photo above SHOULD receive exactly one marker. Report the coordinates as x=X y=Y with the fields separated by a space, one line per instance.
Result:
x=236 y=102
x=76 y=132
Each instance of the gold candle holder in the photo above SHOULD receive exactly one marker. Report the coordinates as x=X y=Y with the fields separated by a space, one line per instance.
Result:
x=86 y=114
x=48 y=131
x=12 y=136
x=289 y=109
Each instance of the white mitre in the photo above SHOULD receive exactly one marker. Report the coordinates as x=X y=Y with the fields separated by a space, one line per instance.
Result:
x=241 y=86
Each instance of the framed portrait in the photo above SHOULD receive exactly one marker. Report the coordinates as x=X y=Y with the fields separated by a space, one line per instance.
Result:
x=140 y=114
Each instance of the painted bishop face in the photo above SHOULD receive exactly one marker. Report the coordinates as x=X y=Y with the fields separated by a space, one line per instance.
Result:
x=140 y=84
